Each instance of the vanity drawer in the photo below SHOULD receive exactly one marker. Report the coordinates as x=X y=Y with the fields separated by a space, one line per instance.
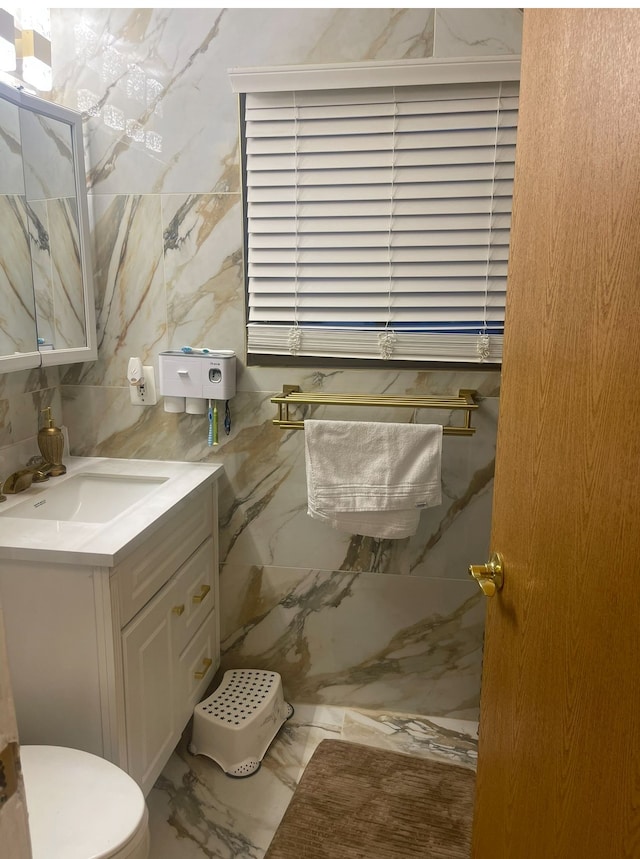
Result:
x=196 y=666
x=193 y=592
x=145 y=571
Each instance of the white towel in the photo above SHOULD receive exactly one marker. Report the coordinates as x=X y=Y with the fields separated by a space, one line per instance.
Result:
x=372 y=478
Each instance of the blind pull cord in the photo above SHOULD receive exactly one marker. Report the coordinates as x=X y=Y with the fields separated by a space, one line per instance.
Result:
x=483 y=346
x=388 y=337
x=294 y=338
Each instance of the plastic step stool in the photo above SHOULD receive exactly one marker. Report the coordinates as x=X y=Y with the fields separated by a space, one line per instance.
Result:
x=236 y=725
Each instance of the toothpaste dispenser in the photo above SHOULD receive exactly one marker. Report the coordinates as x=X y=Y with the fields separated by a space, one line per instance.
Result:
x=188 y=380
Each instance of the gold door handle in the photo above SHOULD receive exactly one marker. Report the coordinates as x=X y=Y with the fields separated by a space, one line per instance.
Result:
x=198 y=675
x=489 y=576
x=178 y=609
x=204 y=590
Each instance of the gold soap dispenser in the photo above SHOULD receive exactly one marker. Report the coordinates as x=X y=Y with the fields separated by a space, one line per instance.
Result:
x=51 y=444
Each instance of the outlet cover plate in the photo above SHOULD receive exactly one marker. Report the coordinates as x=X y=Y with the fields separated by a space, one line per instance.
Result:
x=145 y=395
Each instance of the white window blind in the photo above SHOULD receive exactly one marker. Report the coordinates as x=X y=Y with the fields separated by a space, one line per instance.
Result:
x=378 y=220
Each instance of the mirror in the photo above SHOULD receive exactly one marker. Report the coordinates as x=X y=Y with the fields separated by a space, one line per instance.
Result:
x=47 y=313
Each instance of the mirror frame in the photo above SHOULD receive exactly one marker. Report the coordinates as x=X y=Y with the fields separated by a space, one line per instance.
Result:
x=67 y=355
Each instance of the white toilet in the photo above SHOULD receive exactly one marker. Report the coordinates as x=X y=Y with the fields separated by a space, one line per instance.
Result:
x=82 y=807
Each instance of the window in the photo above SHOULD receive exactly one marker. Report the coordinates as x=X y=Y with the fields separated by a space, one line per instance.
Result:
x=378 y=207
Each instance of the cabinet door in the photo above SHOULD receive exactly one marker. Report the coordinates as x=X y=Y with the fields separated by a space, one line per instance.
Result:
x=147 y=649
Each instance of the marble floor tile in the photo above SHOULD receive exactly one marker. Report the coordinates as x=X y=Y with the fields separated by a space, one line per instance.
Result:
x=198 y=812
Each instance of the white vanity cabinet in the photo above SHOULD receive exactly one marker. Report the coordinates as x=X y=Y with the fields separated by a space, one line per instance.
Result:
x=169 y=653
x=113 y=659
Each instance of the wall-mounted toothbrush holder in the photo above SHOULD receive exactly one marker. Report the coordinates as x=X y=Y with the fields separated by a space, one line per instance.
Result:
x=188 y=380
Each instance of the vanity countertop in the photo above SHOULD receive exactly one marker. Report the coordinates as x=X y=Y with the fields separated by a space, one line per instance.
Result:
x=100 y=543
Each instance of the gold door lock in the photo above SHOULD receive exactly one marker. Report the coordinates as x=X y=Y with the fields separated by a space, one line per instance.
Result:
x=489 y=576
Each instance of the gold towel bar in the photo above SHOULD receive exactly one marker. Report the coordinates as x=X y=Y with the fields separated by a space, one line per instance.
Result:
x=293 y=396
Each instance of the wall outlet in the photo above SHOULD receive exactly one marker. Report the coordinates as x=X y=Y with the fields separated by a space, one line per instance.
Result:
x=145 y=395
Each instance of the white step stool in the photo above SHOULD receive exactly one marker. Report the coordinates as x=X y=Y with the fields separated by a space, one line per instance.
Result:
x=236 y=725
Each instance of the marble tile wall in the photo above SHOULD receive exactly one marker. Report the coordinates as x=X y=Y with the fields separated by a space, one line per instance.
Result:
x=346 y=620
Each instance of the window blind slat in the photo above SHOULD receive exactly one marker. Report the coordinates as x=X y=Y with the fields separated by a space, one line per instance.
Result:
x=378 y=224
x=371 y=269
x=403 y=174
x=279 y=304
x=429 y=123
x=404 y=158
x=423 y=141
x=326 y=256
x=374 y=110
x=381 y=191
x=440 y=238
x=338 y=287
x=371 y=208
x=332 y=315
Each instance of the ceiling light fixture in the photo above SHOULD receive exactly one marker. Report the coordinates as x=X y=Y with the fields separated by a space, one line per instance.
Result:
x=7 y=42
x=25 y=46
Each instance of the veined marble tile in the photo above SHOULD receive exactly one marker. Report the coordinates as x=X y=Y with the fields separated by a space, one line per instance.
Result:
x=455 y=740
x=451 y=535
x=5 y=423
x=130 y=293
x=68 y=321
x=379 y=381
x=196 y=811
x=106 y=423
x=410 y=644
x=474 y=32
x=29 y=381
x=17 y=310
x=47 y=154
x=57 y=271
x=12 y=178
x=41 y=269
x=203 y=271
x=154 y=82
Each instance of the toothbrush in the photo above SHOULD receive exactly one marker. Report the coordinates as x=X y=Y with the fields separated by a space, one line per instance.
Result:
x=212 y=438
x=188 y=350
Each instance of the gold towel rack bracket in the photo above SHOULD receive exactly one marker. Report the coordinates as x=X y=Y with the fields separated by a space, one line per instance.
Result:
x=292 y=396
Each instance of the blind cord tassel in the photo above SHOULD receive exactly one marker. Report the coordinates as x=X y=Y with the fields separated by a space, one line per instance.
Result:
x=386 y=342
x=294 y=339
x=483 y=346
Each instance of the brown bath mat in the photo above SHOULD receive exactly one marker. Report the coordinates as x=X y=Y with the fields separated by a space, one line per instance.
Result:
x=357 y=802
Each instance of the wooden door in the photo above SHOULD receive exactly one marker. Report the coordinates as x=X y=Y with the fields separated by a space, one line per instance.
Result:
x=559 y=756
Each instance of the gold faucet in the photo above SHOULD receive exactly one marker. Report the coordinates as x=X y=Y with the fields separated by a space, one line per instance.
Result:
x=23 y=478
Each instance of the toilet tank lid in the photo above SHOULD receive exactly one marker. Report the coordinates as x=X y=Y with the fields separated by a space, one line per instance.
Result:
x=79 y=804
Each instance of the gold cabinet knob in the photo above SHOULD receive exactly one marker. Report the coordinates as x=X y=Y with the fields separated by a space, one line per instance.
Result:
x=204 y=590
x=206 y=664
x=178 y=609
x=489 y=576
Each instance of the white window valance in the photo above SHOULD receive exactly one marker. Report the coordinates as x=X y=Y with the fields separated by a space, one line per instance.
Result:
x=378 y=216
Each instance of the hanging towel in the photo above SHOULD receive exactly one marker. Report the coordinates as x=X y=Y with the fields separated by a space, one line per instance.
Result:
x=372 y=478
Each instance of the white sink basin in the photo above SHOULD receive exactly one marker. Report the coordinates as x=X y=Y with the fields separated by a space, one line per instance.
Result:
x=86 y=497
